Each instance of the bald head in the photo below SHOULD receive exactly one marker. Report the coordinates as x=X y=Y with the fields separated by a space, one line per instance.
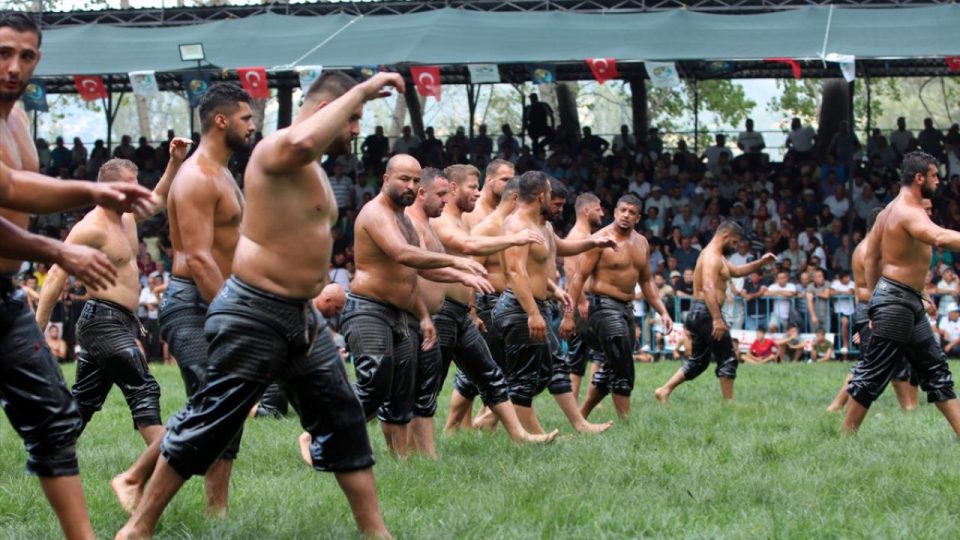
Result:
x=401 y=161
x=330 y=300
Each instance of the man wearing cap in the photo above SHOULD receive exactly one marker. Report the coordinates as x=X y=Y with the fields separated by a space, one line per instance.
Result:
x=658 y=200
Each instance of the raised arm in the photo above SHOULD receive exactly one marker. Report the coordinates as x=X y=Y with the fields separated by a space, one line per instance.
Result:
x=566 y=248
x=387 y=236
x=38 y=194
x=928 y=232
x=306 y=141
x=178 y=153
x=458 y=240
x=744 y=270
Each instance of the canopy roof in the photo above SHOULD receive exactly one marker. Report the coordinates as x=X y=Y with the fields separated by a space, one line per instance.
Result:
x=454 y=37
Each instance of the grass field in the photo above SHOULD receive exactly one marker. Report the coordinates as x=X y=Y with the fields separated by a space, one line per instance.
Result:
x=771 y=465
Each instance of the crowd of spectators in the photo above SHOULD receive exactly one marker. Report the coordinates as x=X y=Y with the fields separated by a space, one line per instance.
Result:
x=810 y=208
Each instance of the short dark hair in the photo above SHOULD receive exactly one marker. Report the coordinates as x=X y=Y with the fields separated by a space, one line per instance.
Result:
x=630 y=199
x=428 y=175
x=731 y=227
x=557 y=189
x=584 y=199
x=532 y=184
x=513 y=185
x=496 y=164
x=21 y=22
x=219 y=98
x=915 y=163
x=332 y=83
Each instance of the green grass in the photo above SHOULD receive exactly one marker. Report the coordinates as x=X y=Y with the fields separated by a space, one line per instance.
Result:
x=771 y=465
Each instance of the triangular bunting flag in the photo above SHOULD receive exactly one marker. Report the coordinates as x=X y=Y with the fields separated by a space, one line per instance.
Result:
x=427 y=80
x=144 y=83
x=848 y=64
x=603 y=69
x=254 y=81
x=662 y=74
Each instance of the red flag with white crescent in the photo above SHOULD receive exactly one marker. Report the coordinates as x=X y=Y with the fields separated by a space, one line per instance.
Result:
x=953 y=63
x=603 y=69
x=427 y=80
x=254 y=81
x=90 y=87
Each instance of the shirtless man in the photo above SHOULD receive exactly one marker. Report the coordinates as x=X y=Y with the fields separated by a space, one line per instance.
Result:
x=36 y=399
x=904 y=384
x=496 y=176
x=611 y=278
x=383 y=298
x=262 y=325
x=897 y=257
x=108 y=327
x=458 y=333
x=709 y=333
x=204 y=206
x=532 y=348
x=589 y=216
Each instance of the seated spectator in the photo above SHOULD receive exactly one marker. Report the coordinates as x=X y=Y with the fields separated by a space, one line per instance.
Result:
x=790 y=348
x=688 y=223
x=57 y=345
x=717 y=156
x=821 y=347
x=654 y=221
x=686 y=254
x=950 y=331
x=948 y=287
x=800 y=140
x=796 y=256
x=761 y=350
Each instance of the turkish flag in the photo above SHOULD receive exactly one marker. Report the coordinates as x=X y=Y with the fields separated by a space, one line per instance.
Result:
x=91 y=87
x=254 y=81
x=953 y=63
x=794 y=65
x=603 y=69
x=427 y=80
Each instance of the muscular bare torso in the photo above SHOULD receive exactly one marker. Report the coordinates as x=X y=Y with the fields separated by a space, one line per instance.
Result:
x=706 y=257
x=285 y=242
x=378 y=275
x=862 y=291
x=455 y=291
x=226 y=218
x=116 y=237
x=492 y=225
x=479 y=213
x=432 y=292
x=18 y=152
x=579 y=231
x=904 y=258
x=618 y=271
x=541 y=259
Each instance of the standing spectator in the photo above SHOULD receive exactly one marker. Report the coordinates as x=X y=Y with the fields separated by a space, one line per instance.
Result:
x=481 y=146
x=431 y=150
x=800 y=140
x=144 y=152
x=43 y=154
x=457 y=144
x=126 y=149
x=98 y=156
x=902 y=140
x=842 y=289
x=342 y=186
x=712 y=155
x=148 y=313
x=408 y=143
x=57 y=345
x=818 y=301
x=761 y=350
x=930 y=139
x=60 y=157
x=783 y=291
x=597 y=146
x=948 y=287
x=950 y=331
x=751 y=143
x=821 y=349
x=78 y=155
x=538 y=122
x=624 y=141
x=375 y=149
x=506 y=139
x=752 y=293
x=162 y=154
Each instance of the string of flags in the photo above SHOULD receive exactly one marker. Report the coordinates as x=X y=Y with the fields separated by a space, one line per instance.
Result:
x=427 y=80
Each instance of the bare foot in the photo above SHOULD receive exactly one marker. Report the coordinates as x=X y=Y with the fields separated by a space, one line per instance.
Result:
x=834 y=407
x=587 y=427
x=303 y=441
x=542 y=438
x=128 y=493
x=128 y=532
x=662 y=394
x=486 y=421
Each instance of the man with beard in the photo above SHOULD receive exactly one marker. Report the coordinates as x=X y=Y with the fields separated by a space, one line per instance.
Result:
x=904 y=383
x=709 y=333
x=589 y=216
x=459 y=336
x=384 y=297
x=35 y=395
x=898 y=253
x=496 y=176
x=108 y=328
x=613 y=276
x=262 y=325
x=532 y=348
x=204 y=207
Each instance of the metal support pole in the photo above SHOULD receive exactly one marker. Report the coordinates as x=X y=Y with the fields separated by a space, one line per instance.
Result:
x=472 y=91
x=696 y=117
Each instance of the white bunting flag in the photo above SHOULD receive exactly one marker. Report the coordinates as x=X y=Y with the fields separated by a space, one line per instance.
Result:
x=848 y=64
x=662 y=74
x=144 y=83
x=308 y=75
x=484 y=73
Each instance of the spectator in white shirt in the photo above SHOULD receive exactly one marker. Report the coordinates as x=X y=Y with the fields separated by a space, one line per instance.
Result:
x=640 y=186
x=408 y=143
x=801 y=139
x=805 y=238
x=743 y=255
x=797 y=257
x=902 y=139
x=657 y=200
x=948 y=287
x=843 y=307
x=624 y=140
x=750 y=141
x=838 y=203
x=950 y=330
x=784 y=291
x=712 y=154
